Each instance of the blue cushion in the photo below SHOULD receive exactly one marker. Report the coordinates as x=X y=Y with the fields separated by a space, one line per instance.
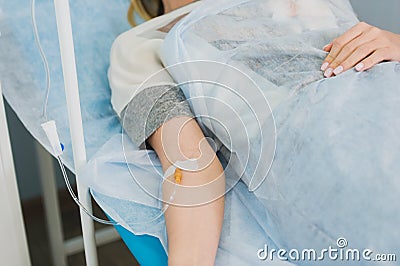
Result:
x=146 y=249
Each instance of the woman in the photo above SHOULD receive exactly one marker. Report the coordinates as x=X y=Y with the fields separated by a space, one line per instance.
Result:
x=159 y=116
x=362 y=46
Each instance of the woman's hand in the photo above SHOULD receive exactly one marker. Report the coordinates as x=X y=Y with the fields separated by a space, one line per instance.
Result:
x=362 y=46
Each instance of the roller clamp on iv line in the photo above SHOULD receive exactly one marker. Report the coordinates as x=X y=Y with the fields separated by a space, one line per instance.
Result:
x=50 y=129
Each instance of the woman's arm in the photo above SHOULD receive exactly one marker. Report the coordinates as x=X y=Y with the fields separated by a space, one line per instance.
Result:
x=362 y=46
x=193 y=231
x=160 y=116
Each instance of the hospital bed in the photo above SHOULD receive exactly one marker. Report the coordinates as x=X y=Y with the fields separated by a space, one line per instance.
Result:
x=13 y=246
x=99 y=153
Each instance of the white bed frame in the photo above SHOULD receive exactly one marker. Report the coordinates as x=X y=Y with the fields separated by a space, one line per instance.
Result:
x=13 y=245
x=14 y=249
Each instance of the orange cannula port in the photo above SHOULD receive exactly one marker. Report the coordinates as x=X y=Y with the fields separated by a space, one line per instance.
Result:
x=178 y=175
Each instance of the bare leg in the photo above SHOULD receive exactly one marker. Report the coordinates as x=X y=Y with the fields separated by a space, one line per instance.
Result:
x=193 y=232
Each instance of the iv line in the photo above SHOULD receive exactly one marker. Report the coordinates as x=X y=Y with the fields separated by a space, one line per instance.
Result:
x=42 y=56
x=75 y=198
x=53 y=136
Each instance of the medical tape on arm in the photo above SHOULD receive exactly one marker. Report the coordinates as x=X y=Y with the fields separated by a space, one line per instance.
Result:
x=191 y=194
x=187 y=165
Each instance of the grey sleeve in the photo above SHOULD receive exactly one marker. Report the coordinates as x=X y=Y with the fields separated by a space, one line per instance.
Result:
x=151 y=108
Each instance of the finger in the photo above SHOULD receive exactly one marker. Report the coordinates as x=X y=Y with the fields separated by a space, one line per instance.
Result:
x=375 y=58
x=353 y=46
x=354 y=52
x=357 y=56
x=325 y=64
x=341 y=41
x=327 y=47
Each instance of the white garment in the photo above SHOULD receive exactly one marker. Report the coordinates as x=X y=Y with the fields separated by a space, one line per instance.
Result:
x=135 y=56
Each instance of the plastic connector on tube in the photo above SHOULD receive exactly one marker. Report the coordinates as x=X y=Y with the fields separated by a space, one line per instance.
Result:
x=51 y=132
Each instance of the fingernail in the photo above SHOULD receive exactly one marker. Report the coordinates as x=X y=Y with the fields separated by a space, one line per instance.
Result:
x=324 y=66
x=338 y=70
x=328 y=73
x=359 y=66
x=326 y=46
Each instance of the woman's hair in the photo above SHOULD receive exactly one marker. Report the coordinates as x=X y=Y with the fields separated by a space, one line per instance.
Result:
x=147 y=9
